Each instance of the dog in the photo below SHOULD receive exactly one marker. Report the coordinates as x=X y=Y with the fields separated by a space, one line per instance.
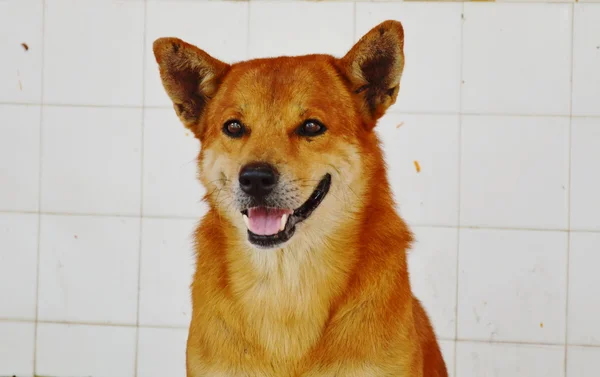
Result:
x=301 y=258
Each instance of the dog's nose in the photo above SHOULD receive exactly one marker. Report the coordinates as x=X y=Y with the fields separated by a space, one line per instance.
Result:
x=258 y=179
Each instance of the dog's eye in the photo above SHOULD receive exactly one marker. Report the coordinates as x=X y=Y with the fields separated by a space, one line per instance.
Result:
x=311 y=128
x=234 y=128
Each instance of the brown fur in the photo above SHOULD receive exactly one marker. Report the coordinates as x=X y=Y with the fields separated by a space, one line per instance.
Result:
x=335 y=300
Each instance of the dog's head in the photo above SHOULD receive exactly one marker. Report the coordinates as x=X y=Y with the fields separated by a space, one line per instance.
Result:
x=288 y=148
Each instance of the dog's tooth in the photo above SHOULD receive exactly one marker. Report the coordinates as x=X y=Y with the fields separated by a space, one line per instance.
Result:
x=246 y=221
x=283 y=221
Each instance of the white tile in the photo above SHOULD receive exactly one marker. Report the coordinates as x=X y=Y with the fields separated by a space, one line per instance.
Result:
x=18 y=265
x=517 y=58
x=586 y=60
x=432 y=265
x=223 y=33
x=508 y=360
x=102 y=62
x=161 y=352
x=19 y=157
x=514 y=172
x=21 y=68
x=224 y=40
x=584 y=289
x=16 y=348
x=585 y=175
x=171 y=187
x=88 y=269
x=91 y=160
x=167 y=266
x=512 y=285
x=300 y=28
x=78 y=350
x=540 y=1
x=431 y=79
x=583 y=362
x=428 y=197
x=447 y=347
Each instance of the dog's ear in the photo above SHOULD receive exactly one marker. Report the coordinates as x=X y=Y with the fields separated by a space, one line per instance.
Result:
x=190 y=77
x=374 y=67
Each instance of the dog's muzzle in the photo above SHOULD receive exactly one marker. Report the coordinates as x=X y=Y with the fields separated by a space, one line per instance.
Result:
x=271 y=226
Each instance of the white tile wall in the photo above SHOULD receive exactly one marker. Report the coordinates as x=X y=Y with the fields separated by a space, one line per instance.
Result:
x=516 y=58
x=18 y=265
x=167 y=265
x=584 y=307
x=585 y=175
x=99 y=170
x=97 y=64
x=21 y=67
x=97 y=176
x=432 y=266
x=82 y=350
x=16 y=348
x=448 y=348
x=428 y=196
x=161 y=352
x=515 y=172
x=170 y=170
x=301 y=28
x=512 y=286
x=508 y=360
x=19 y=157
x=88 y=269
x=586 y=59
x=583 y=362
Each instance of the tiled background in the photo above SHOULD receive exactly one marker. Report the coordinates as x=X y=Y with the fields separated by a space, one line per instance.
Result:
x=500 y=105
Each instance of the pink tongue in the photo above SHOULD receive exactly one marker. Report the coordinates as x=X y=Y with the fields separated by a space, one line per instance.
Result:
x=265 y=221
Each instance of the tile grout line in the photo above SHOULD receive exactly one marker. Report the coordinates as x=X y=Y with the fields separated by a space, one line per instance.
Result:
x=97 y=324
x=569 y=137
x=100 y=214
x=390 y=1
x=39 y=204
x=195 y=218
x=248 y=17
x=141 y=220
x=182 y=327
x=522 y=343
x=354 y=6
x=459 y=183
x=391 y=111
x=412 y=225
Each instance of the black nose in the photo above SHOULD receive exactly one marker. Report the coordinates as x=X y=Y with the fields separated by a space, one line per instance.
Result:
x=258 y=179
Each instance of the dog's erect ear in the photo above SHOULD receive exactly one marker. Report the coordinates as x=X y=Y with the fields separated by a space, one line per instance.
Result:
x=190 y=77
x=374 y=67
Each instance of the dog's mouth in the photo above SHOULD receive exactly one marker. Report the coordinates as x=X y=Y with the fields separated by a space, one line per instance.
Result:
x=269 y=227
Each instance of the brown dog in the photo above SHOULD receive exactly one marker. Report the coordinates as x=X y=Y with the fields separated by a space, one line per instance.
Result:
x=301 y=267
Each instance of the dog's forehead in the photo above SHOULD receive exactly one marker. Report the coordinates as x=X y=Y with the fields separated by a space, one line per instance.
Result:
x=288 y=86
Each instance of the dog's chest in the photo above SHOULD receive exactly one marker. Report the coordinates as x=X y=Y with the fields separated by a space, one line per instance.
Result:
x=287 y=306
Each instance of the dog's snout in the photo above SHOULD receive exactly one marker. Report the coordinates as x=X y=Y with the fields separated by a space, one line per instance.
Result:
x=258 y=179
